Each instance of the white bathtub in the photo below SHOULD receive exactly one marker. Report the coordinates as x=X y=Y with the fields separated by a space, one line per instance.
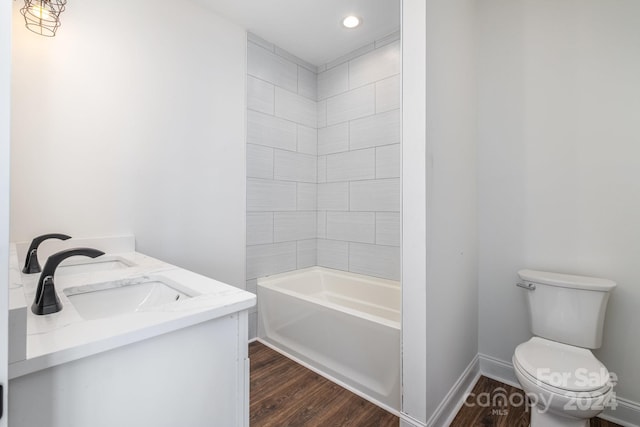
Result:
x=344 y=325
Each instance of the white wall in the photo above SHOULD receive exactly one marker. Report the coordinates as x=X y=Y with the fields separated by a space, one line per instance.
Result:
x=449 y=311
x=5 y=82
x=414 y=204
x=559 y=163
x=452 y=291
x=131 y=120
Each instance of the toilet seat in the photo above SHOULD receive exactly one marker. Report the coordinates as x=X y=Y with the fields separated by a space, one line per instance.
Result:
x=561 y=368
x=556 y=391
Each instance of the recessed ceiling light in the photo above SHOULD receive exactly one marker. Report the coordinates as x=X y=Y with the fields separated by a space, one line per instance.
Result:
x=351 y=21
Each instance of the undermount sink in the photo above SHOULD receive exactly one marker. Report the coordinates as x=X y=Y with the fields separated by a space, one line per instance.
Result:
x=79 y=265
x=109 y=299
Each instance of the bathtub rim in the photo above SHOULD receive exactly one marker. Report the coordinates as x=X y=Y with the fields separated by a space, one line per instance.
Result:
x=269 y=282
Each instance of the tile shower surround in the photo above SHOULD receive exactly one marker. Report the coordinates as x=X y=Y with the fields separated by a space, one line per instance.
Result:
x=323 y=162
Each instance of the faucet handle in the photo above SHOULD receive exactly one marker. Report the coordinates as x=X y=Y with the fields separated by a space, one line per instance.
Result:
x=46 y=300
x=31 y=264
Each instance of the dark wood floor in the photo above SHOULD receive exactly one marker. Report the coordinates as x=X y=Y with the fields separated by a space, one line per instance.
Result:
x=284 y=393
x=500 y=416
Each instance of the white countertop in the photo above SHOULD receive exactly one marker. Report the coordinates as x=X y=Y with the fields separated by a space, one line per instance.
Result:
x=65 y=336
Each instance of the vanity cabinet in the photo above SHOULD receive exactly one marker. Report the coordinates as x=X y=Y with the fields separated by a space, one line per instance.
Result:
x=197 y=376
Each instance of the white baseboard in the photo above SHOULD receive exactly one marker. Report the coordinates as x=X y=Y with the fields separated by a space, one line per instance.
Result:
x=408 y=421
x=627 y=413
x=498 y=370
x=453 y=401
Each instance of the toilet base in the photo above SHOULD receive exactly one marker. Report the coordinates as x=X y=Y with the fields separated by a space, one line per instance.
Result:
x=549 y=419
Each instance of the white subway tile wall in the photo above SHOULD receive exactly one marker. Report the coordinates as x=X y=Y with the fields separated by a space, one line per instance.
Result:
x=359 y=160
x=260 y=95
x=376 y=130
x=267 y=195
x=333 y=139
x=374 y=260
x=307 y=197
x=387 y=226
x=351 y=226
x=307 y=253
x=388 y=161
x=333 y=254
x=333 y=196
x=388 y=94
x=263 y=129
x=295 y=108
x=351 y=105
x=378 y=195
x=323 y=162
x=351 y=165
x=374 y=66
x=259 y=161
x=307 y=140
x=288 y=226
x=298 y=167
x=259 y=228
x=334 y=81
x=263 y=260
x=271 y=68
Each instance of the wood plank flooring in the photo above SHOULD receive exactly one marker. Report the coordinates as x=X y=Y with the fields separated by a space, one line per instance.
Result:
x=497 y=415
x=284 y=393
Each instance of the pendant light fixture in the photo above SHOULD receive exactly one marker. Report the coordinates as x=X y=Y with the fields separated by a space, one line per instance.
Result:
x=43 y=16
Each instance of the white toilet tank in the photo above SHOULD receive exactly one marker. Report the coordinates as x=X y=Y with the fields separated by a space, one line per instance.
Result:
x=566 y=308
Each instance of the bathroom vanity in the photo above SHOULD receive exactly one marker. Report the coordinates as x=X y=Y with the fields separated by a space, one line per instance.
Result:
x=177 y=356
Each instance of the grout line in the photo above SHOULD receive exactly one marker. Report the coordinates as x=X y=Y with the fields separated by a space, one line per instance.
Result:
x=368 y=116
x=328 y=182
x=285 y=149
x=375 y=163
x=375 y=228
x=271 y=50
x=351 y=89
x=273 y=168
x=375 y=97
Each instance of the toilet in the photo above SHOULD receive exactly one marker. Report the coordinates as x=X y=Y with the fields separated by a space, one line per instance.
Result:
x=563 y=380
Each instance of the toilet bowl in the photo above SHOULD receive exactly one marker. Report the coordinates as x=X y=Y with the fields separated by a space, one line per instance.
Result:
x=565 y=385
x=563 y=380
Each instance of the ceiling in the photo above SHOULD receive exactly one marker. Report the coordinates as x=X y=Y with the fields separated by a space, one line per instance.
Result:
x=312 y=29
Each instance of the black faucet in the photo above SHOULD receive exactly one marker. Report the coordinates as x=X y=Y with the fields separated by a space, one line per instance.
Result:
x=31 y=264
x=46 y=300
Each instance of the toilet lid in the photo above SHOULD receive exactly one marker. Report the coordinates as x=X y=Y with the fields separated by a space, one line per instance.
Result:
x=561 y=366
